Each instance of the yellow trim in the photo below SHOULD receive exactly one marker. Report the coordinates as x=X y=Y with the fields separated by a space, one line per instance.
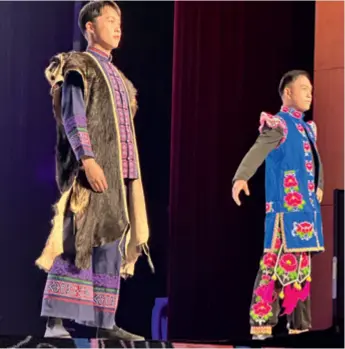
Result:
x=116 y=128
x=265 y=330
x=145 y=247
x=298 y=331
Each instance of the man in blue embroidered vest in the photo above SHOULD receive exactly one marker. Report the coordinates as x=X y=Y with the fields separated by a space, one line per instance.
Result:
x=293 y=226
x=100 y=226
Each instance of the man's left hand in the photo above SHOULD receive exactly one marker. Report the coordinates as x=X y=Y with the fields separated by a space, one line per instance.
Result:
x=319 y=194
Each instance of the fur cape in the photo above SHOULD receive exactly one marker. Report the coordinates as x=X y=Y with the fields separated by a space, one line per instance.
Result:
x=108 y=216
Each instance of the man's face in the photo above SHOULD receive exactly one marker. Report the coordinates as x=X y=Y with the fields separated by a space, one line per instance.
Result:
x=299 y=93
x=106 y=31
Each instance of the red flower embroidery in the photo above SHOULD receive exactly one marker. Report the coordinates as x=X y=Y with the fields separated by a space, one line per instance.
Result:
x=269 y=260
x=294 y=199
x=288 y=262
x=285 y=109
x=304 y=230
x=262 y=309
x=290 y=181
x=266 y=277
x=269 y=207
x=311 y=186
x=305 y=261
x=297 y=114
x=277 y=244
x=307 y=147
x=300 y=128
x=309 y=165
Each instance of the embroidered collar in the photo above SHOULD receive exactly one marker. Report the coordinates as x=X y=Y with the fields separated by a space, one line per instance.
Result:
x=293 y=112
x=99 y=54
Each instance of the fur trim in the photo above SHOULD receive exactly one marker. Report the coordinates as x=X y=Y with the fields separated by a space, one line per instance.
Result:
x=54 y=245
x=101 y=218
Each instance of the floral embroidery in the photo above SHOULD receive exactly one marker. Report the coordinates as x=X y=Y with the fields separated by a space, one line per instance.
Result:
x=311 y=187
x=273 y=122
x=290 y=181
x=287 y=263
x=305 y=266
x=269 y=207
x=269 y=261
x=313 y=127
x=277 y=244
x=304 y=230
x=293 y=200
x=296 y=114
x=306 y=147
x=261 y=312
x=301 y=129
x=309 y=167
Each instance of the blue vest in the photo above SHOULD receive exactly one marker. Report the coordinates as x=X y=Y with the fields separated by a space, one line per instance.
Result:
x=291 y=203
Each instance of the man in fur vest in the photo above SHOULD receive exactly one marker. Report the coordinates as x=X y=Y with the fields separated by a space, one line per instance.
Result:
x=293 y=225
x=100 y=225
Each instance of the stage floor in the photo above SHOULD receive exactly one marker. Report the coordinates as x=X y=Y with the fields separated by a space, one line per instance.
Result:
x=317 y=339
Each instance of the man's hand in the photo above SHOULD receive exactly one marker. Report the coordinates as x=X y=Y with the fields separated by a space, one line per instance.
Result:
x=95 y=175
x=238 y=186
x=319 y=195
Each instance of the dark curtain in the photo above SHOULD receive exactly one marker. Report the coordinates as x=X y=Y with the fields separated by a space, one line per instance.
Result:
x=145 y=56
x=228 y=60
x=31 y=32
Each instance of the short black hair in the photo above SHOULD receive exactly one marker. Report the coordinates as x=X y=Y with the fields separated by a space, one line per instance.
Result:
x=290 y=77
x=92 y=10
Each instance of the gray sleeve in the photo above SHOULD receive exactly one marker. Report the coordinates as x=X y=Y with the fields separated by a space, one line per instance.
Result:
x=267 y=141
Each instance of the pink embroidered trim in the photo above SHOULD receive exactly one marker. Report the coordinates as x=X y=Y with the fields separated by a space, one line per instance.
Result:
x=313 y=127
x=273 y=122
x=268 y=119
x=296 y=114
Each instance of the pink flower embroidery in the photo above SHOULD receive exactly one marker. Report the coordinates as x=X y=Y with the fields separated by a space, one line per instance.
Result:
x=293 y=200
x=288 y=262
x=309 y=166
x=297 y=114
x=277 y=244
x=311 y=186
x=300 y=128
x=290 y=181
x=269 y=260
x=306 y=147
x=305 y=261
x=304 y=230
x=269 y=207
x=262 y=309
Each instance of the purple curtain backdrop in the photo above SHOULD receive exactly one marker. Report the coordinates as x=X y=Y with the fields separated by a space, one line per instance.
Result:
x=31 y=32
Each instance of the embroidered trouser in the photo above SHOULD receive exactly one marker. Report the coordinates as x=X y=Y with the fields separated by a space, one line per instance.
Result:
x=283 y=277
x=89 y=297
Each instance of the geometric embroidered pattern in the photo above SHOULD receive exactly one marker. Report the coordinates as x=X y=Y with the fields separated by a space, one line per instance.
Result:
x=81 y=293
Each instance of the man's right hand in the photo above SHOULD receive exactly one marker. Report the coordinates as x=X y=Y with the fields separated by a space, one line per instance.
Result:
x=95 y=175
x=238 y=186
